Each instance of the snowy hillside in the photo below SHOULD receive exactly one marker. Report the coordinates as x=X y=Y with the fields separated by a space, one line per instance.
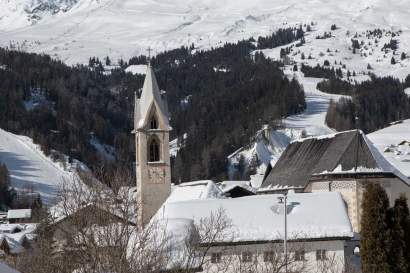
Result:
x=15 y=14
x=309 y=123
x=122 y=28
x=29 y=168
x=394 y=143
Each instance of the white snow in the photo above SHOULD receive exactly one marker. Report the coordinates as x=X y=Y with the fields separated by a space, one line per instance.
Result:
x=137 y=69
x=174 y=146
x=265 y=150
x=312 y=120
x=260 y=217
x=407 y=91
x=203 y=189
x=29 y=168
x=83 y=30
x=394 y=138
x=15 y=234
x=228 y=185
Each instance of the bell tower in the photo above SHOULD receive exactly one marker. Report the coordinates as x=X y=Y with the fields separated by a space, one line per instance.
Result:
x=151 y=129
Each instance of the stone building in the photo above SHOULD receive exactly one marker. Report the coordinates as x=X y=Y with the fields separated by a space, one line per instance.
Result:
x=151 y=129
x=344 y=162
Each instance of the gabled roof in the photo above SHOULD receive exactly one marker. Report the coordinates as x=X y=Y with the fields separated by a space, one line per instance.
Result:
x=345 y=152
x=150 y=97
x=237 y=188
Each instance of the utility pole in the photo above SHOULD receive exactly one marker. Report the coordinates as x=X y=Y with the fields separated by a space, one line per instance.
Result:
x=283 y=200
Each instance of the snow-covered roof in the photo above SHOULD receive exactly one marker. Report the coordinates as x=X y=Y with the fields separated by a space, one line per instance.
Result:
x=227 y=186
x=260 y=217
x=150 y=97
x=15 y=240
x=345 y=152
x=19 y=214
x=202 y=189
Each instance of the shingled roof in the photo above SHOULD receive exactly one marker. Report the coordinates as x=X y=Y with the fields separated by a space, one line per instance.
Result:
x=348 y=152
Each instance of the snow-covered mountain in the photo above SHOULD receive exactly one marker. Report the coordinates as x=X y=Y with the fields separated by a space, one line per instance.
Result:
x=122 y=28
x=15 y=14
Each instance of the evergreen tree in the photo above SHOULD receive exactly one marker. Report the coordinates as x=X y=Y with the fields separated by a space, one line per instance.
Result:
x=400 y=234
x=374 y=230
x=6 y=194
x=107 y=61
x=393 y=61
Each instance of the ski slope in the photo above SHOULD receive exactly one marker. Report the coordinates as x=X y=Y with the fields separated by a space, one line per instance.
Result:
x=312 y=120
x=30 y=169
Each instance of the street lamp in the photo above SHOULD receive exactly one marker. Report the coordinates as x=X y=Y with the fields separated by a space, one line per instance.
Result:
x=283 y=200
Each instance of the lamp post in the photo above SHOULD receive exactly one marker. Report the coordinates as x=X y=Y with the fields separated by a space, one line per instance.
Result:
x=283 y=200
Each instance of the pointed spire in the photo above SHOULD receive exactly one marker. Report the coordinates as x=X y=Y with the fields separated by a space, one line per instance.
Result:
x=151 y=97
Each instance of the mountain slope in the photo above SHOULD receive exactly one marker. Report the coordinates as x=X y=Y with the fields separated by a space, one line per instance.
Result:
x=122 y=28
x=29 y=168
x=16 y=14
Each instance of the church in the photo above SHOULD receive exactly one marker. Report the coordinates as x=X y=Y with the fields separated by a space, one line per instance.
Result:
x=318 y=224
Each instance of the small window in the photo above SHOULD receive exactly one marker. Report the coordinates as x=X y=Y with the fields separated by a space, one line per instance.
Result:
x=216 y=258
x=246 y=257
x=268 y=256
x=154 y=150
x=300 y=255
x=320 y=254
x=153 y=123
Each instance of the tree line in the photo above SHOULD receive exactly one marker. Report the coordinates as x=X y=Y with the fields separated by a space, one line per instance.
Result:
x=230 y=95
x=376 y=103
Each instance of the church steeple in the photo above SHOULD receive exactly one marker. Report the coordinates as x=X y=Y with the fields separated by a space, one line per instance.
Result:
x=151 y=127
x=152 y=100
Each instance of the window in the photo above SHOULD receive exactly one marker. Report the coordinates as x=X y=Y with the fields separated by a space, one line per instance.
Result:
x=246 y=257
x=154 y=150
x=153 y=123
x=300 y=255
x=216 y=258
x=320 y=254
x=268 y=256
